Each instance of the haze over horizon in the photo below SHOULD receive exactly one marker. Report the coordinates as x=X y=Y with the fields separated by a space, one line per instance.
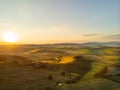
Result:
x=55 y=21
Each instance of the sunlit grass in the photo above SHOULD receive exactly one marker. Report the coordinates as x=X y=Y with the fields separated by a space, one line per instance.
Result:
x=109 y=51
x=111 y=57
x=67 y=59
x=95 y=68
x=83 y=51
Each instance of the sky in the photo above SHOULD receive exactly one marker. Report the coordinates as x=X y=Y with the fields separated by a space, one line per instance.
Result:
x=55 y=21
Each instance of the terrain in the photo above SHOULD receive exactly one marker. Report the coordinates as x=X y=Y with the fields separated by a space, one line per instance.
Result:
x=64 y=66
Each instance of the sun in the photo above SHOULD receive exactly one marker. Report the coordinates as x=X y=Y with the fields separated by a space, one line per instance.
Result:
x=10 y=37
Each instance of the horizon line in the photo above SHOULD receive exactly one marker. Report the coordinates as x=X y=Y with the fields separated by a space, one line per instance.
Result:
x=59 y=43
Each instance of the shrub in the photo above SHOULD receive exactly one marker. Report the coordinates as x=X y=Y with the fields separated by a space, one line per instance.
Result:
x=48 y=88
x=50 y=77
x=63 y=73
x=78 y=57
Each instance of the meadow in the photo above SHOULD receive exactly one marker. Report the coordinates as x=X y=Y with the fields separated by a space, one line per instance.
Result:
x=59 y=67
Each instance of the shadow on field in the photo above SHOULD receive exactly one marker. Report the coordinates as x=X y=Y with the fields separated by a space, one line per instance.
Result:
x=19 y=72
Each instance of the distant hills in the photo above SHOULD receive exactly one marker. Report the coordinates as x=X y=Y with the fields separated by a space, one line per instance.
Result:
x=91 y=44
x=116 y=44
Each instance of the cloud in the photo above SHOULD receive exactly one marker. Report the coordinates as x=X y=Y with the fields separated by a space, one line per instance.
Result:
x=110 y=37
x=89 y=35
x=114 y=36
x=101 y=37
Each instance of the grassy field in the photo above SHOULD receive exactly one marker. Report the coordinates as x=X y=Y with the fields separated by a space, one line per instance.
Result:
x=59 y=68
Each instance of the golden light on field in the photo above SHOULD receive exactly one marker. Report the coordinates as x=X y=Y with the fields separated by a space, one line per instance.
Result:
x=10 y=37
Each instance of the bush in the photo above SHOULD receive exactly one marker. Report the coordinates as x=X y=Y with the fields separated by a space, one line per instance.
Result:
x=50 y=77
x=78 y=57
x=63 y=73
x=48 y=88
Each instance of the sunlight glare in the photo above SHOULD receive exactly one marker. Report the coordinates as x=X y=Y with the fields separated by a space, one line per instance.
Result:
x=10 y=37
